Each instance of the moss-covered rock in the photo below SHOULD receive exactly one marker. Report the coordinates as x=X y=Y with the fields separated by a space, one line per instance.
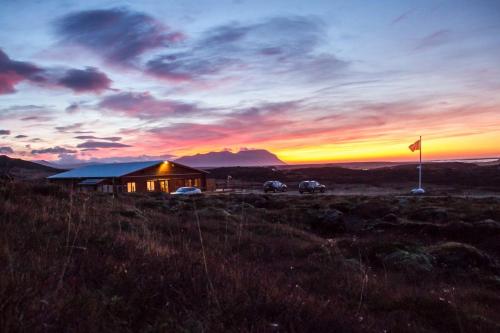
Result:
x=461 y=257
x=413 y=262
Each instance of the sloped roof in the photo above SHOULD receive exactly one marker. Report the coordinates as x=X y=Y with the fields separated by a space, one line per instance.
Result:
x=91 y=181
x=105 y=170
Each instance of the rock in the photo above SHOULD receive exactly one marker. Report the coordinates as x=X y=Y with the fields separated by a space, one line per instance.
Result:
x=462 y=257
x=328 y=220
x=412 y=262
x=333 y=216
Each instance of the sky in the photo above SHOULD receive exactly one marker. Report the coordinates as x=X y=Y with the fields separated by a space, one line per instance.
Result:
x=311 y=81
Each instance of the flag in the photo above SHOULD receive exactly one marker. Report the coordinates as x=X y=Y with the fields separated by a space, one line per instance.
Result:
x=415 y=146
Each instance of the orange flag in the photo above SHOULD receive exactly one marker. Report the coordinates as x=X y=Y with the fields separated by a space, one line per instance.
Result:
x=415 y=146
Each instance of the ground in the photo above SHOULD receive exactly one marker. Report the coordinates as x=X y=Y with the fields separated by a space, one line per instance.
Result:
x=247 y=262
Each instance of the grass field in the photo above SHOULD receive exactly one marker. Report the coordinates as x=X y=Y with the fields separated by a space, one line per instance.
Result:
x=246 y=263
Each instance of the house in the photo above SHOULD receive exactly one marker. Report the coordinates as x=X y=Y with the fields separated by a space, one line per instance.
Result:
x=150 y=176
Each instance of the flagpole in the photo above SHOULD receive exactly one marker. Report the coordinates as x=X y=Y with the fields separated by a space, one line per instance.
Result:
x=420 y=166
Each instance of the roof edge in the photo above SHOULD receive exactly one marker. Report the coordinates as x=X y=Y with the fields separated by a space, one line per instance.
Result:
x=190 y=167
x=154 y=163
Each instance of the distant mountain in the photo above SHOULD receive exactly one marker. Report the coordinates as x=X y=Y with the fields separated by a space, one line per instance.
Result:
x=253 y=157
x=65 y=166
x=17 y=168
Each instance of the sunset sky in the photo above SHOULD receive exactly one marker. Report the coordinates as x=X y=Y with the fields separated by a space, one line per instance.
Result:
x=311 y=81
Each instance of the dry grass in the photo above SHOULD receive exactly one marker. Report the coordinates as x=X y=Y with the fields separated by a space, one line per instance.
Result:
x=253 y=263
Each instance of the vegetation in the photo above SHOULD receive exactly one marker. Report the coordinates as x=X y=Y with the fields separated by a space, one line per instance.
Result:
x=249 y=263
x=462 y=175
x=15 y=168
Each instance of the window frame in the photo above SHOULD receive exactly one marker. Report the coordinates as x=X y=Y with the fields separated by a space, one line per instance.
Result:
x=131 y=187
x=150 y=185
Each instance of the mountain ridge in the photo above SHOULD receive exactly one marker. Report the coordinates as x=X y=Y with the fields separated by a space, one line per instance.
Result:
x=18 y=168
x=251 y=157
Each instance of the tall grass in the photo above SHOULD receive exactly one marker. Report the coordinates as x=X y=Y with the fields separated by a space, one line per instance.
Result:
x=90 y=262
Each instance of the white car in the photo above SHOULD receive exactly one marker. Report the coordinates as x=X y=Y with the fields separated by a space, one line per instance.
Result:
x=186 y=191
x=418 y=191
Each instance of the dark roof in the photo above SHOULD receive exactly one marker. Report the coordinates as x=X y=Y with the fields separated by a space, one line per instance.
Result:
x=111 y=170
x=91 y=181
x=105 y=170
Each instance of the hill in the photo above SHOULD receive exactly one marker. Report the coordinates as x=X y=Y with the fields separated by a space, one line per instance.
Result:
x=251 y=157
x=18 y=168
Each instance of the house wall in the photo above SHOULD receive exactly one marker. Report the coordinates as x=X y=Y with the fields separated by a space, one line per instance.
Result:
x=174 y=174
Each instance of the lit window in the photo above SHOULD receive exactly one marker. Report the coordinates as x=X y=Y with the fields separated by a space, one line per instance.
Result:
x=151 y=185
x=131 y=187
x=197 y=182
x=164 y=185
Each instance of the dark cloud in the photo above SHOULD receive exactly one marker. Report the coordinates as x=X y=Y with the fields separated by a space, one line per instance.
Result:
x=36 y=118
x=87 y=80
x=53 y=150
x=120 y=35
x=186 y=67
x=73 y=159
x=91 y=137
x=281 y=45
x=83 y=132
x=79 y=80
x=13 y=72
x=68 y=128
x=4 y=132
x=20 y=136
x=146 y=106
x=101 y=144
x=73 y=107
x=6 y=150
x=26 y=112
x=121 y=159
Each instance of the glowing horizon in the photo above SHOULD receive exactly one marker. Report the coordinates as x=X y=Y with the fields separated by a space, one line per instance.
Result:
x=317 y=82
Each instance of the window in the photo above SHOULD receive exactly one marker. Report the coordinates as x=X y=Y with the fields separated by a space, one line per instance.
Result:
x=151 y=185
x=197 y=182
x=107 y=188
x=131 y=187
x=164 y=185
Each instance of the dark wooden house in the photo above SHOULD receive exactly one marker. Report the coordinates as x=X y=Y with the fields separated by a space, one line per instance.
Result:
x=150 y=176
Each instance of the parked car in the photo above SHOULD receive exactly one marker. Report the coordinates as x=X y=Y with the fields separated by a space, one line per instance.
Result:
x=274 y=186
x=311 y=186
x=186 y=191
x=418 y=191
